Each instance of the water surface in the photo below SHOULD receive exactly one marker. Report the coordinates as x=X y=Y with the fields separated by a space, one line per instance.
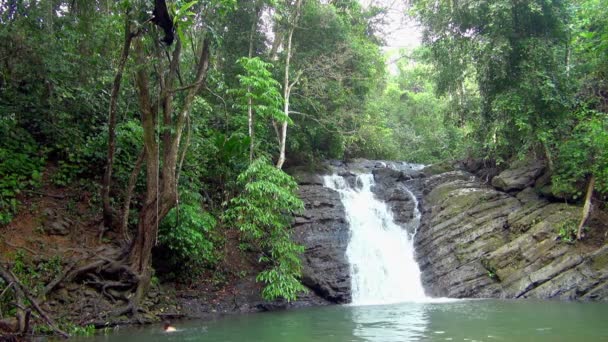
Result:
x=469 y=320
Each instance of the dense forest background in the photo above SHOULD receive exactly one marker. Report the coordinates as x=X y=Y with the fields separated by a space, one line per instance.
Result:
x=178 y=116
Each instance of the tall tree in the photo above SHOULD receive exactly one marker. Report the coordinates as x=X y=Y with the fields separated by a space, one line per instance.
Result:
x=107 y=177
x=515 y=50
x=161 y=168
x=292 y=22
x=252 y=32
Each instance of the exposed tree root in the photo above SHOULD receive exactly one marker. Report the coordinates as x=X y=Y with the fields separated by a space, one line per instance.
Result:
x=106 y=269
x=22 y=293
x=109 y=273
x=58 y=279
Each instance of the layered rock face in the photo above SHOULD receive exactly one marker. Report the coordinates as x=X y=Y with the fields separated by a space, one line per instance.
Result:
x=324 y=232
x=477 y=241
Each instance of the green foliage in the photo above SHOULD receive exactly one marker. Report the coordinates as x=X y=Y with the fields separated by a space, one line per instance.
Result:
x=582 y=154
x=491 y=270
x=567 y=231
x=264 y=212
x=90 y=157
x=225 y=157
x=190 y=235
x=339 y=64
x=21 y=166
x=405 y=120
x=71 y=328
x=182 y=16
x=258 y=86
x=77 y=330
x=34 y=275
x=514 y=53
x=590 y=45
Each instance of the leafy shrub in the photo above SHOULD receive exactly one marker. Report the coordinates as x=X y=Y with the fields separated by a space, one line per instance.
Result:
x=264 y=212
x=567 y=231
x=34 y=275
x=21 y=166
x=189 y=233
x=90 y=158
x=583 y=154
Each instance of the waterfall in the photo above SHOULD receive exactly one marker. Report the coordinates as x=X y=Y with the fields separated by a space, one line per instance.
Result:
x=381 y=253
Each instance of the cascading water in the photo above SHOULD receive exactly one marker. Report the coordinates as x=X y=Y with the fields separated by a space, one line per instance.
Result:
x=380 y=253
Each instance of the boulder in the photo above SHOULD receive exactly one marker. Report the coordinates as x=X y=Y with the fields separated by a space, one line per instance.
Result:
x=520 y=176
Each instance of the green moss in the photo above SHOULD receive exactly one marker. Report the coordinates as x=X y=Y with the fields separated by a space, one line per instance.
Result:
x=600 y=262
x=438 y=168
x=493 y=243
x=440 y=193
x=465 y=200
x=491 y=269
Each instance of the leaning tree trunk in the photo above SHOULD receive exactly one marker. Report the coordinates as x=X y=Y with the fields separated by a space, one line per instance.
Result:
x=586 y=207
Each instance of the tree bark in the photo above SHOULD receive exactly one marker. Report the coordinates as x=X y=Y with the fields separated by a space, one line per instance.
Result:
x=124 y=228
x=141 y=248
x=252 y=31
x=161 y=185
x=286 y=85
x=586 y=207
x=549 y=156
x=107 y=177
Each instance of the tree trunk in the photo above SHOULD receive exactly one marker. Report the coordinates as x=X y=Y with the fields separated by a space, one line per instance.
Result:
x=161 y=185
x=549 y=156
x=147 y=227
x=586 y=207
x=286 y=85
x=252 y=31
x=278 y=40
x=124 y=228
x=107 y=177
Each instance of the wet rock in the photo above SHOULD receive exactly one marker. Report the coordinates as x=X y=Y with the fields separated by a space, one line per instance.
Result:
x=324 y=232
x=438 y=168
x=520 y=176
x=390 y=187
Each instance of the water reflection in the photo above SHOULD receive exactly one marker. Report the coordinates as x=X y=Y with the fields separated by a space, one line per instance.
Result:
x=387 y=323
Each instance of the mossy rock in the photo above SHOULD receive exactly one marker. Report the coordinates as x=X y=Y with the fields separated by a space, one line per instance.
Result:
x=438 y=168
x=599 y=262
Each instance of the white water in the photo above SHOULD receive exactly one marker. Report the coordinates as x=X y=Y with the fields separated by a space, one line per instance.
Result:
x=381 y=253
